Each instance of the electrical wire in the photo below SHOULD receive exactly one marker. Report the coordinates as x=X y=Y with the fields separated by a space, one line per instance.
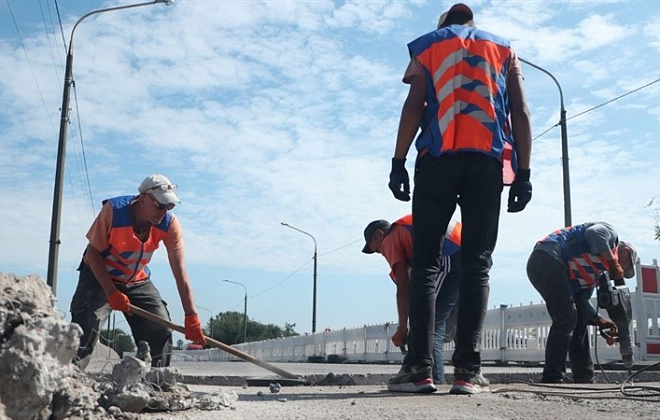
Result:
x=599 y=106
x=341 y=247
x=84 y=155
x=615 y=99
x=283 y=280
x=27 y=57
x=84 y=170
x=300 y=268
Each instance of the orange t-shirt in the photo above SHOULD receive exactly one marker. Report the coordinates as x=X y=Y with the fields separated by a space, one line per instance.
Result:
x=99 y=233
x=397 y=247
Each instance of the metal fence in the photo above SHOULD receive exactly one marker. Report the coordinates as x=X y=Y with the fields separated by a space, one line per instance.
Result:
x=510 y=334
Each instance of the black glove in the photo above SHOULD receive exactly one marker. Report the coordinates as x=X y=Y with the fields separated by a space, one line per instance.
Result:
x=520 y=192
x=399 y=178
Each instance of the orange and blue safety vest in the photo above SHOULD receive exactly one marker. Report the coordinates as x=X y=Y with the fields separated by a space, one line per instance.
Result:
x=467 y=103
x=452 y=241
x=583 y=266
x=127 y=257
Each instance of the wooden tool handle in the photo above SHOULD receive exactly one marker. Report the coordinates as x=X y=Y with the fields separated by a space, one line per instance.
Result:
x=214 y=343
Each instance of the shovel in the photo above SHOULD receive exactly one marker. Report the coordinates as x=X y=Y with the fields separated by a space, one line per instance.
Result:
x=217 y=344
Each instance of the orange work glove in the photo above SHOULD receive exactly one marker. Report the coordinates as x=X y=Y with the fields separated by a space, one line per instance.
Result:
x=616 y=271
x=119 y=302
x=194 y=330
x=400 y=337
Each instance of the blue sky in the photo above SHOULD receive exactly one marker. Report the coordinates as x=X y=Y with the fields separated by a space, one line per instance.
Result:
x=286 y=111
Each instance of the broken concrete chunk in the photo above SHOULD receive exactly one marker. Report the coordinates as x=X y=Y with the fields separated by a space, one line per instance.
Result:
x=130 y=371
x=163 y=379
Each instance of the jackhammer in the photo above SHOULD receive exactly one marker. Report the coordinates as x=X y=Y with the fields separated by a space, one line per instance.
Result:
x=615 y=298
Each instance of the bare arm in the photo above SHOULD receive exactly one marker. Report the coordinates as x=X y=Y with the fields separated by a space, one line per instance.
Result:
x=402 y=279
x=411 y=116
x=178 y=265
x=520 y=120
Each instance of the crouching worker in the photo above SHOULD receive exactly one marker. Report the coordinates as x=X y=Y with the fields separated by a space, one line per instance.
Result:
x=564 y=267
x=114 y=272
x=394 y=242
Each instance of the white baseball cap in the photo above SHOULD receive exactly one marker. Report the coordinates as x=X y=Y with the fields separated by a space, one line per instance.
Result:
x=160 y=188
x=630 y=271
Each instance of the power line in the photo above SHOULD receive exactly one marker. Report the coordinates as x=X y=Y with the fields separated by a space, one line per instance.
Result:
x=27 y=57
x=341 y=247
x=301 y=267
x=615 y=99
x=85 y=169
x=599 y=106
x=283 y=280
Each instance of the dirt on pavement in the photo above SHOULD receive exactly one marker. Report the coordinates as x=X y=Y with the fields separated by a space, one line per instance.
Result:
x=511 y=402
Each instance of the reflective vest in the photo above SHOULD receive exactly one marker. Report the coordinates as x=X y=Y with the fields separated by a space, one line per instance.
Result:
x=583 y=266
x=467 y=103
x=127 y=257
x=452 y=241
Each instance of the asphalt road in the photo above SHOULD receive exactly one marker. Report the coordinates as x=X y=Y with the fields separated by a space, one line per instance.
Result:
x=514 y=395
x=375 y=402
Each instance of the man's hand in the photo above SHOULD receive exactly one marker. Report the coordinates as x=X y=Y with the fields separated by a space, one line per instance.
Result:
x=400 y=337
x=399 y=181
x=119 y=302
x=616 y=271
x=520 y=192
x=194 y=330
x=608 y=328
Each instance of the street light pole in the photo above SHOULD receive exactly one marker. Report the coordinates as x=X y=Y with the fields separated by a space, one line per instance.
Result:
x=564 y=146
x=315 y=261
x=54 y=243
x=244 y=309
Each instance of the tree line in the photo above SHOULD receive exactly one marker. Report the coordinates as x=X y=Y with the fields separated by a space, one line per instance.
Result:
x=227 y=327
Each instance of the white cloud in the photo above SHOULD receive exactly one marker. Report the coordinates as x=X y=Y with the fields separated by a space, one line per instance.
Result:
x=269 y=112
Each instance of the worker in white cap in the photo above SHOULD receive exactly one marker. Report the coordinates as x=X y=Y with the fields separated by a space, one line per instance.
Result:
x=114 y=271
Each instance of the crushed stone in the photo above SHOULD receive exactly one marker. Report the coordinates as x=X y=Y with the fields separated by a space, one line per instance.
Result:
x=39 y=381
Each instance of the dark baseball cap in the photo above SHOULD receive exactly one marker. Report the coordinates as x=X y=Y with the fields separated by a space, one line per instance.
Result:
x=370 y=230
x=458 y=7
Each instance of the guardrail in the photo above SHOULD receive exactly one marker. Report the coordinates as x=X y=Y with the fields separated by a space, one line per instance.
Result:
x=510 y=334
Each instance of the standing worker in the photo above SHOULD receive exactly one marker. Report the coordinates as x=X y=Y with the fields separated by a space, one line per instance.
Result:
x=466 y=95
x=564 y=268
x=114 y=272
x=394 y=242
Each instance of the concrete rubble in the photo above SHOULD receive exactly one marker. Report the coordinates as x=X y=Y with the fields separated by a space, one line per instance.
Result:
x=39 y=381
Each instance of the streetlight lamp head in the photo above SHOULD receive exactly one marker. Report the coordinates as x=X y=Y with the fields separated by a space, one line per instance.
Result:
x=283 y=224
x=167 y=2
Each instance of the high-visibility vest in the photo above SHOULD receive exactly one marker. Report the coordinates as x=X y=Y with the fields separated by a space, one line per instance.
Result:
x=467 y=103
x=452 y=240
x=127 y=257
x=583 y=266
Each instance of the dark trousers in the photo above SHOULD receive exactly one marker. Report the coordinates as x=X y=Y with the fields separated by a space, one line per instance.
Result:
x=90 y=310
x=474 y=182
x=568 y=333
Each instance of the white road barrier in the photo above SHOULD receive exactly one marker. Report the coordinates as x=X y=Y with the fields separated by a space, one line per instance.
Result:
x=511 y=334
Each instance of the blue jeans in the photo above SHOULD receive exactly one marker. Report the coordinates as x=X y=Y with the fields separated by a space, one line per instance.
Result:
x=445 y=303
